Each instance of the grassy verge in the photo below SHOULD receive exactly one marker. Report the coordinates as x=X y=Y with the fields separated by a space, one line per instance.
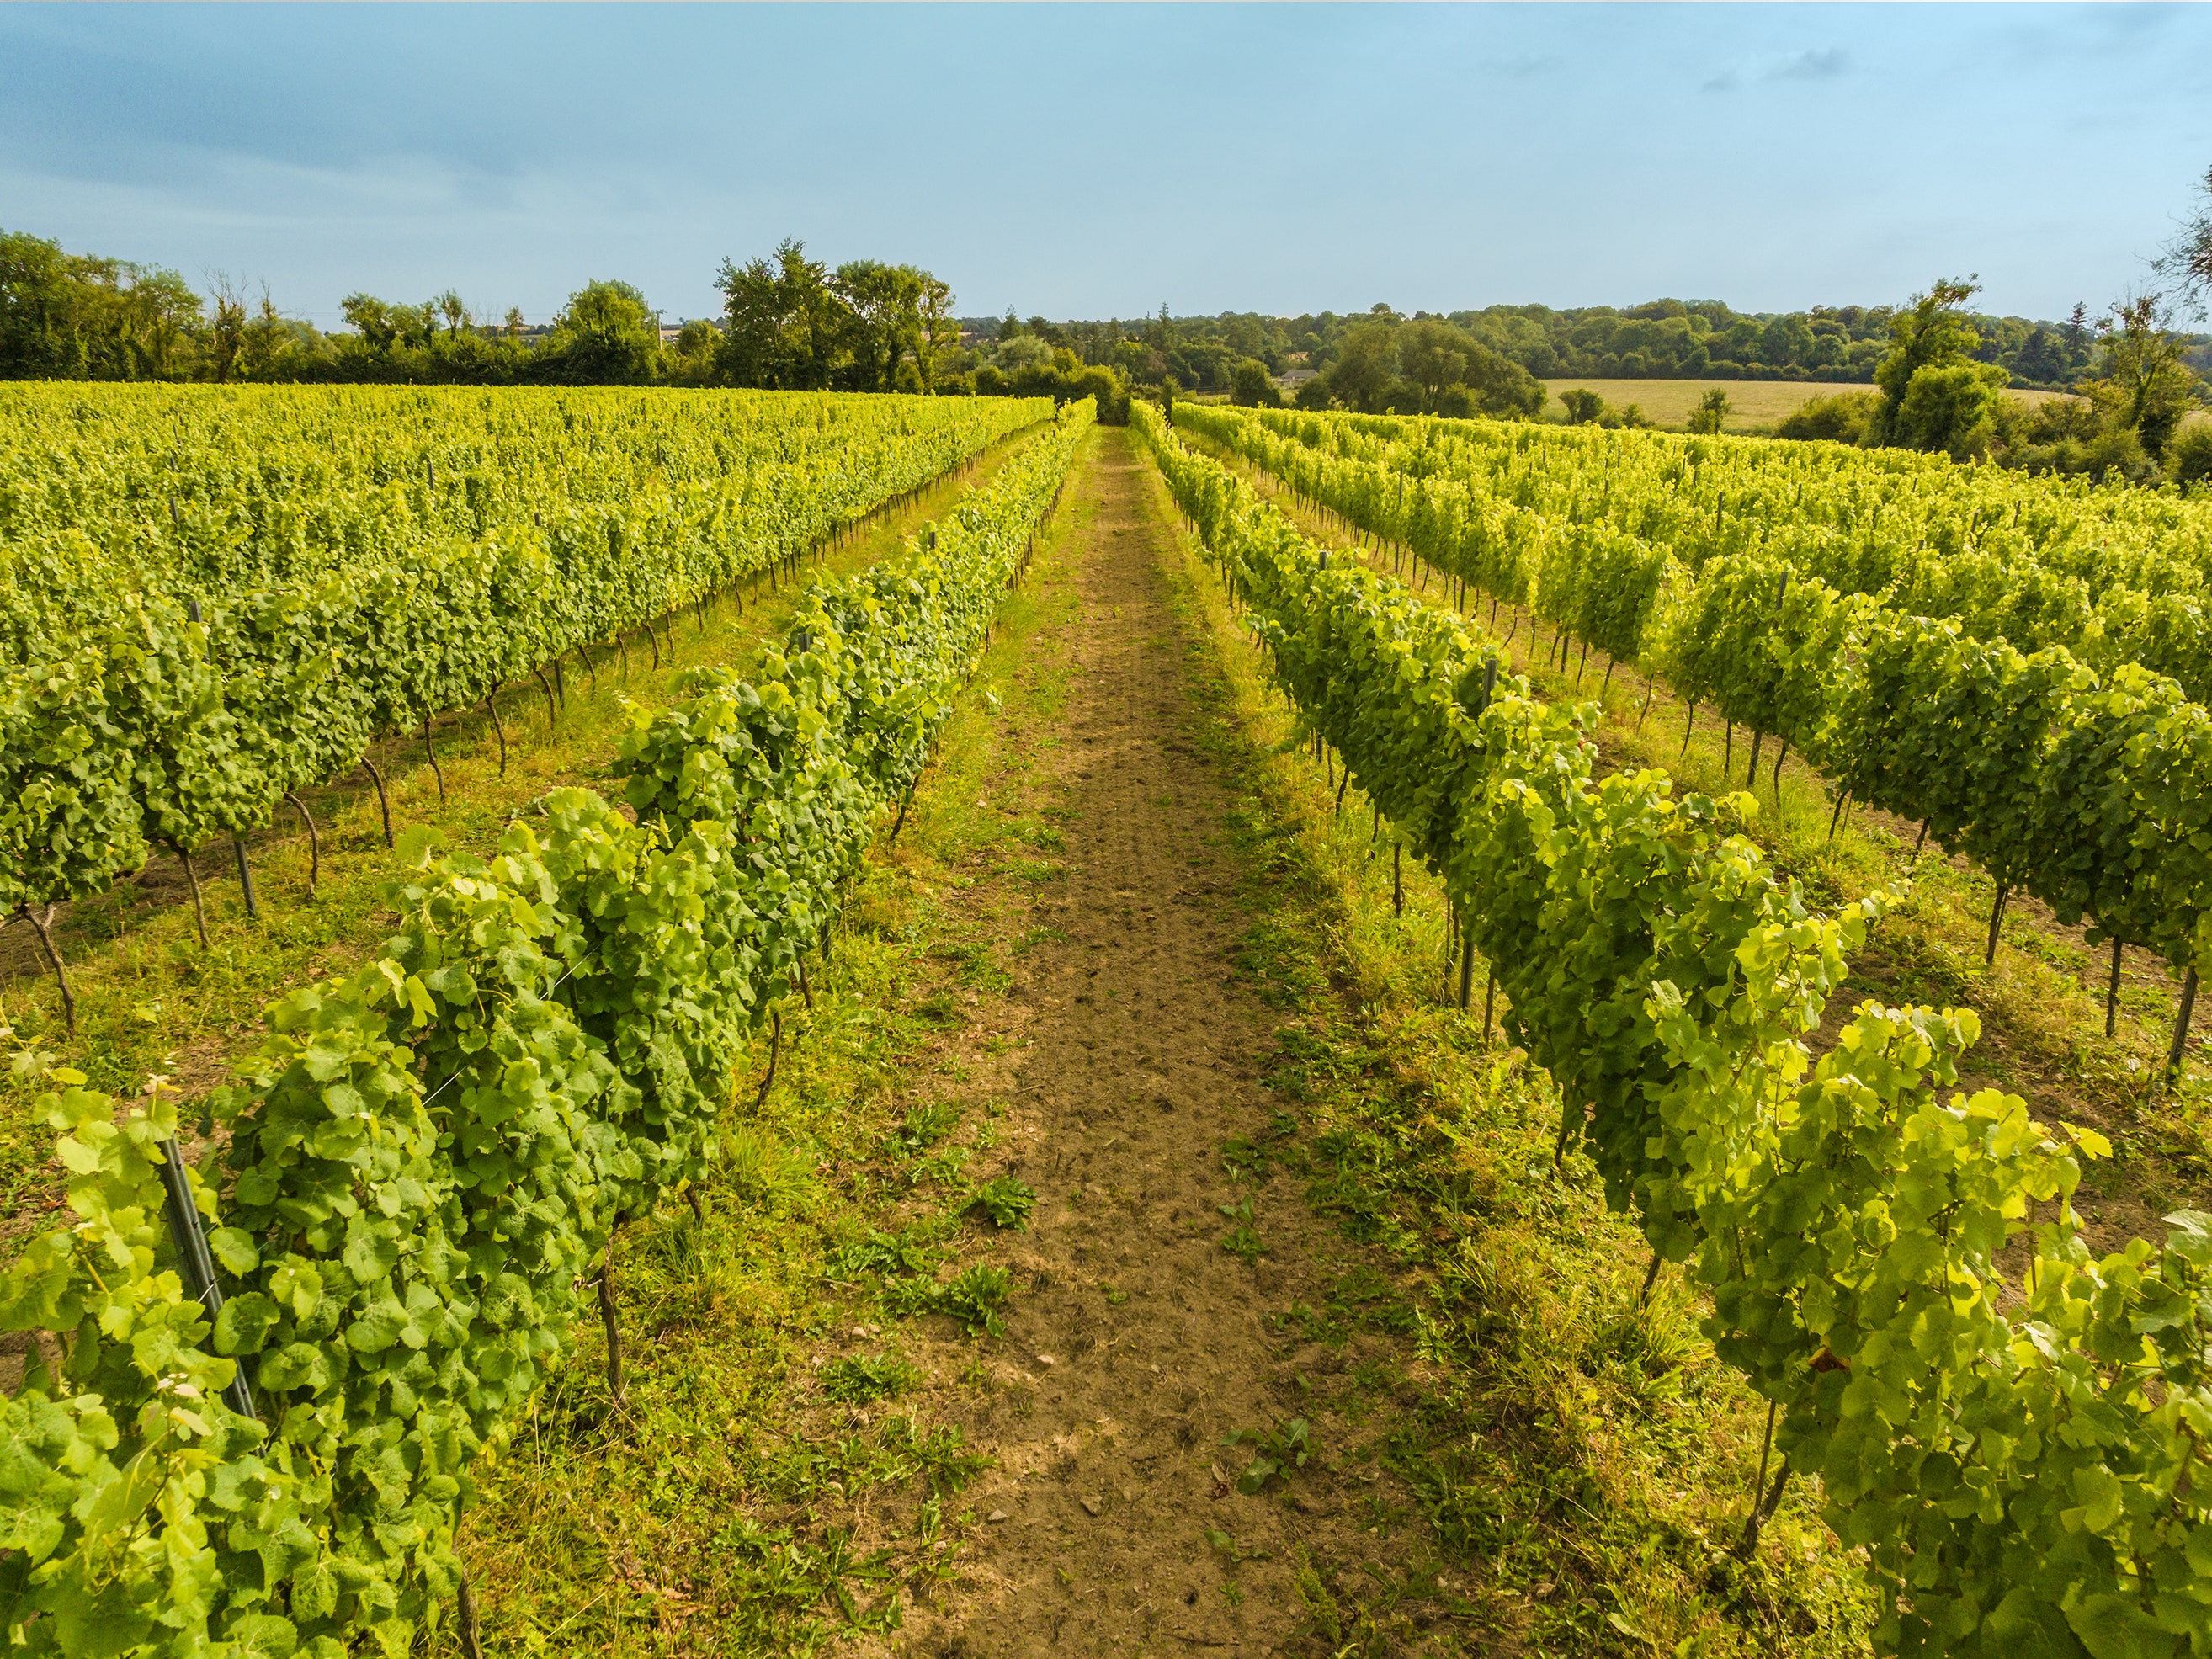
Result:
x=152 y=999
x=771 y=1486
x=1577 y=1452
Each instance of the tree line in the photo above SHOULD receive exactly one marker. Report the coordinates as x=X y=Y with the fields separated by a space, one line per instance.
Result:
x=1661 y=339
x=1934 y=367
x=788 y=321
x=1932 y=392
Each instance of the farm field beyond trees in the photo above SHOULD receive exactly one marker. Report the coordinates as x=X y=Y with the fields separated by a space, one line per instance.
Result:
x=1753 y=405
x=1113 y=1048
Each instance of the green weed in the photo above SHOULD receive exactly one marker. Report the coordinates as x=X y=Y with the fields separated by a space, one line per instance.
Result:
x=1007 y=1201
x=859 y=1378
x=1275 y=1452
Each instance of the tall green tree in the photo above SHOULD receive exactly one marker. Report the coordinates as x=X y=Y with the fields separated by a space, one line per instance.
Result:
x=901 y=314
x=1365 y=367
x=82 y=316
x=606 y=335
x=1432 y=355
x=1935 y=337
x=784 y=323
x=885 y=301
x=1250 y=384
x=2145 y=388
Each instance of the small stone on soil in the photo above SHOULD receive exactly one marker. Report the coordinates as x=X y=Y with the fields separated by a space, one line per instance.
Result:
x=1093 y=1506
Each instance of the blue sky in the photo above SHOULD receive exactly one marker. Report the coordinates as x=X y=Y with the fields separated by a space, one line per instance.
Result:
x=1098 y=160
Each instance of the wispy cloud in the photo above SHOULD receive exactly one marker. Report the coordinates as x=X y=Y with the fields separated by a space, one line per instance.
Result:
x=1825 y=63
x=1815 y=64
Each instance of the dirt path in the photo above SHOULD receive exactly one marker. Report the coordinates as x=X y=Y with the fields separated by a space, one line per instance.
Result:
x=1136 y=1337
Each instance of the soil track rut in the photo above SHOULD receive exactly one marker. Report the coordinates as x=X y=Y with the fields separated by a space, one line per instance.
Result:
x=1136 y=1339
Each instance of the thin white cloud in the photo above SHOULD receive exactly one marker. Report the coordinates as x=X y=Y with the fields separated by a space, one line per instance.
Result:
x=1825 y=63
x=1815 y=64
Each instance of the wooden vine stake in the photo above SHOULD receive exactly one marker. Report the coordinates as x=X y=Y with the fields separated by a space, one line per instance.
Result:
x=195 y=1262
x=245 y=875
x=2113 y=992
x=2179 y=1047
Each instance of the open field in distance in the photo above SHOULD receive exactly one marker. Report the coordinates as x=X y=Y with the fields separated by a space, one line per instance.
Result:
x=1752 y=403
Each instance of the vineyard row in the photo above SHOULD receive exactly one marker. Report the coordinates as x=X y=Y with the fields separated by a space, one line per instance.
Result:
x=422 y=1175
x=187 y=691
x=2022 y=1459
x=2092 y=792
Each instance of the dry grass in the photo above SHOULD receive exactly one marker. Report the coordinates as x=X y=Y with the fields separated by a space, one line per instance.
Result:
x=1753 y=405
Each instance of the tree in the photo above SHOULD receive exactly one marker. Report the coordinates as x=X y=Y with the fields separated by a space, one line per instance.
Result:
x=1365 y=366
x=1501 y=386
x=1432 y=355
x=2038 y=358
x=937 y=333
x=1933 y=332
x=38 y=308
x=1841 y=418
x=2145 y=388
x=697 y=338
x=1584 y=405
x=514 y=323
x=456 y=313
x=371 y=318
x=2189 y=456
x=1249 y=385
x=885 y=303
x=1711 y=411
x=226 y=333
x=1951 y=407
x=270 y=339
x=2186 y=264
x=605 y=335
x=384 y=325
x=784 y=323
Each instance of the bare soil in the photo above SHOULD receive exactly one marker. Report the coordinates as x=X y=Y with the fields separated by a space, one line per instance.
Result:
x=1127 y=1052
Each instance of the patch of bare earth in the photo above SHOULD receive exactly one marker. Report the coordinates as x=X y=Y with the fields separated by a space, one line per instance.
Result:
x=1135 y=1340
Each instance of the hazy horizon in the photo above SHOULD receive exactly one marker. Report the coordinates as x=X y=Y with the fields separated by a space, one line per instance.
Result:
x=1097 y=161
